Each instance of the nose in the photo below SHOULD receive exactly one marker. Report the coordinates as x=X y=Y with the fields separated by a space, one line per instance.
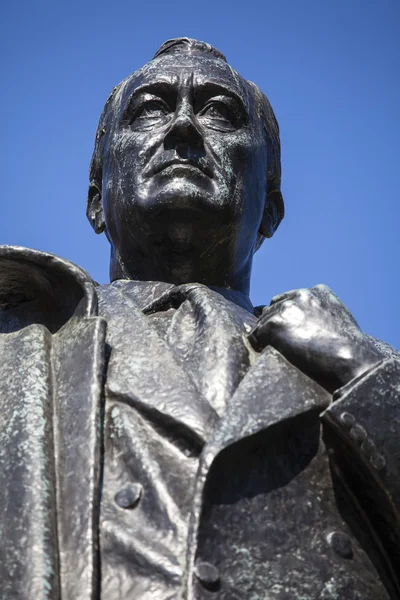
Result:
x=183 y=132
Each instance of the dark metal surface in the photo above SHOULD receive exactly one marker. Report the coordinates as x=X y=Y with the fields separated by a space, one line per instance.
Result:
x=159 y=437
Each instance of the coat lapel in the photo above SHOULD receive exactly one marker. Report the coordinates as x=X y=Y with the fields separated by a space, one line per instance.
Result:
x=143 y=371
x=273 y=391
x=78 y=363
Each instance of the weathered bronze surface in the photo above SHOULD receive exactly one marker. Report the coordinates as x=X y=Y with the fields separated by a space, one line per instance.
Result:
x=160 y=438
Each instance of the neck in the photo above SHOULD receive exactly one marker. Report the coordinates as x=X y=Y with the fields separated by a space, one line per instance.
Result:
x=217 y=272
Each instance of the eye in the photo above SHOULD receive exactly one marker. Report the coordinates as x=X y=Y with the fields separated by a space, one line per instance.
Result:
x=217 y=110
x=218 y=115
x=148 y=114
x=150 y=110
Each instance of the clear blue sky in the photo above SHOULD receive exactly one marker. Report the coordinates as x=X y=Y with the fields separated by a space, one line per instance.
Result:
x=331 y=70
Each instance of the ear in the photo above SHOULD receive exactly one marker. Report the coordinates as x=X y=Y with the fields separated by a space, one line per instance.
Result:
x=94 y=210
x=273 y=213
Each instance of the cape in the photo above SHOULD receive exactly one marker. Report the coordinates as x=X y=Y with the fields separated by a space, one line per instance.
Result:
x=52 y=366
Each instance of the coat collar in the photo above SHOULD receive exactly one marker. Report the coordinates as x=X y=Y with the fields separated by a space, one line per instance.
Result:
x=40 y=288
x=149 y=295
x=143 y=366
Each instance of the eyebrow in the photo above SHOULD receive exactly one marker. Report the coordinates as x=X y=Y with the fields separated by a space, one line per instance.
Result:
x=153 y=88
x=209 y=87
x=212 y=88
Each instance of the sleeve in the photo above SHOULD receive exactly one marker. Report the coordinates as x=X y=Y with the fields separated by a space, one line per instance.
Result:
x=362 y=433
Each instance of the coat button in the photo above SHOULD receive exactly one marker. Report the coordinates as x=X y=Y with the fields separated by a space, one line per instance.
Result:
x=368 y=448
x=347 y=419
x=358 y=433
x=341 y=544
x=378 y=461
x=129 y=496
x=206 y=573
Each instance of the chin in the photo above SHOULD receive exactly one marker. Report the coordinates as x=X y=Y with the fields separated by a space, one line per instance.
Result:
x=184 y=195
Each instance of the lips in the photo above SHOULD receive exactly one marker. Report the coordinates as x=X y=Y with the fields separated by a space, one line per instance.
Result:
x=163 y=162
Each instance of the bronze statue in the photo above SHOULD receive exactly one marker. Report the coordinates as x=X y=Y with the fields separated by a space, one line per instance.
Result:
x=161 y=438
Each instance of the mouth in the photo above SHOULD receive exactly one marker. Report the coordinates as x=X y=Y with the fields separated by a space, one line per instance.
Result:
x=182 y=166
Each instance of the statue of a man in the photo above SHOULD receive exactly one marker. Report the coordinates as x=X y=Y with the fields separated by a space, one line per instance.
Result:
x=160 y=438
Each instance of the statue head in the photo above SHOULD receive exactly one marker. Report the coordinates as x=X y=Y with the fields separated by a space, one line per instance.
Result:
x=185 y=174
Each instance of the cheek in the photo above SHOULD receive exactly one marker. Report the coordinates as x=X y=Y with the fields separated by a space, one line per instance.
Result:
x=131 y=151
x=247 y=162
x=116 y=180
x=242 y=151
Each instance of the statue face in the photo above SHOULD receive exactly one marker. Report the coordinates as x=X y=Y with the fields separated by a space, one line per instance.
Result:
x=185 y=162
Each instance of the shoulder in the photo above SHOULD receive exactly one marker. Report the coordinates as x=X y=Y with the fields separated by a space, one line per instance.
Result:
x=386 y=349
x=38 y=287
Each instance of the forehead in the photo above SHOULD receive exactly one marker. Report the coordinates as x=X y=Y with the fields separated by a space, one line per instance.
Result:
x=198 y=69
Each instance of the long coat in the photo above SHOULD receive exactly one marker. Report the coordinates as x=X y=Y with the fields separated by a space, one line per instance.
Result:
x=278 y=511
